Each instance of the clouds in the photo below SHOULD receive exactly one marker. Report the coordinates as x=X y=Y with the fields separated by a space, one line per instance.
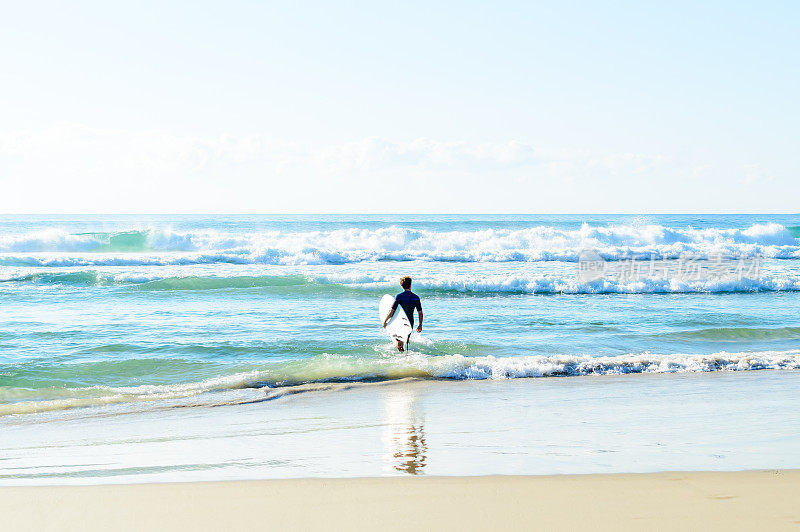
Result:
x=75 y=168
x=76 y=150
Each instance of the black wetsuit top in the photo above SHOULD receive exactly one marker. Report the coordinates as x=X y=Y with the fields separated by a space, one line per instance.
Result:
x=409 y=301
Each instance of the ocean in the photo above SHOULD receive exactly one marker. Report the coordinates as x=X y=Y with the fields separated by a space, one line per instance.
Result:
x=119 y=330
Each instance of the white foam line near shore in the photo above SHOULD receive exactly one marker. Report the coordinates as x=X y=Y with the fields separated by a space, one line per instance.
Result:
x=284 y=378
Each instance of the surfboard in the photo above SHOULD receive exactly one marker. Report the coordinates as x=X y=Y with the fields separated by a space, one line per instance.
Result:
x=398 y=327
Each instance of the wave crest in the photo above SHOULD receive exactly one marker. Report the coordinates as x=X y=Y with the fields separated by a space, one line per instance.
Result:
x=436 y=283
x=542 y=243
x=350 y=369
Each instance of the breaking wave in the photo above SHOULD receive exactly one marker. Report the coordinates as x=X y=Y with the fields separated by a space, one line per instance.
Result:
x=433 y=283
x=273 y=381
x=55 y=247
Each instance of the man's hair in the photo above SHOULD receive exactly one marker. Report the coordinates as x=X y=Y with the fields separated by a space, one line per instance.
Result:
x=405 y=282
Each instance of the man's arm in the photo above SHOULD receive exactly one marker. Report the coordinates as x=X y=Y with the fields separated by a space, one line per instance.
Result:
x=391 y=313
x=419 y=327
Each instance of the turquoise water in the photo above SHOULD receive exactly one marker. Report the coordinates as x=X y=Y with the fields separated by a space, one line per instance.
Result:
x=121 y=313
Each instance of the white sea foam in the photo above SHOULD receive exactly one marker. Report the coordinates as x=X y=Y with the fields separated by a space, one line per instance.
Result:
x=460 y=282
x=458 y=367
x=571 y=285
x=565 y=284
x=56 y=247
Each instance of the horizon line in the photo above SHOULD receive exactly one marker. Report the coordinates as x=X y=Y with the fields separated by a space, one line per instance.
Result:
x=399 y=214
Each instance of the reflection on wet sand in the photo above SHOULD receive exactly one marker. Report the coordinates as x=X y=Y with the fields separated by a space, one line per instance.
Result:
x=403 y=433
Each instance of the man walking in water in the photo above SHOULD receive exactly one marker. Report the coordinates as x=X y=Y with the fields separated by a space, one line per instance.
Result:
x=409 y=301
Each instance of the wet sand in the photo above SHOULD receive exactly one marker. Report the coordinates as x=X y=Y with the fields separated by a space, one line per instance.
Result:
x=592 y=425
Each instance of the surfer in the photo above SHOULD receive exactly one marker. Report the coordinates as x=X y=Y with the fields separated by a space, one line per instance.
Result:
x=409 y=301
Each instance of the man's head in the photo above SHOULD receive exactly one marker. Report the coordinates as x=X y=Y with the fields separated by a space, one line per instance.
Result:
x=405 y=282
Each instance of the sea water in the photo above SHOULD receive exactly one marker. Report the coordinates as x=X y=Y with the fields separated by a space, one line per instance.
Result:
x=112 y=321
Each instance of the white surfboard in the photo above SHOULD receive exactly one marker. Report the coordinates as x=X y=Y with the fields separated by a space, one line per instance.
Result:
x=398 y=327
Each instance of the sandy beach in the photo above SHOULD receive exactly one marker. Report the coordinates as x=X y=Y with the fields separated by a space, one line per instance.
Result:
x=702 y=500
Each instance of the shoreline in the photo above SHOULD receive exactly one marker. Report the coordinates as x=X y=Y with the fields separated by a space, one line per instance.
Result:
x=711 y=500
x=609 y=425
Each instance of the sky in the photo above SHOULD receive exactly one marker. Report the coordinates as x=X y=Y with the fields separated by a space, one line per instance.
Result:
x=390 y=107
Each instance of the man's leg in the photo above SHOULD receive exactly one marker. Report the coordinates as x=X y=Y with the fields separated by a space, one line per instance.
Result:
x=400 y=345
